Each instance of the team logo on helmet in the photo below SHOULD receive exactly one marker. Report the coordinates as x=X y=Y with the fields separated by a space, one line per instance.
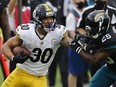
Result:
x=99 y=17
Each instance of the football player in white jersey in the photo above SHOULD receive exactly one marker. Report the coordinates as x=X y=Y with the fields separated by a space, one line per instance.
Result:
x=42 y=38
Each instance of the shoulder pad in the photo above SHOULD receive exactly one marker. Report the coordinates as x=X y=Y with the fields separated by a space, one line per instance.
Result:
x=60 y=26
x=32 y=22
x=25 y=27
x=109 y=39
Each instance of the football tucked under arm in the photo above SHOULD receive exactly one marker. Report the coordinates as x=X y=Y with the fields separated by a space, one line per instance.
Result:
x=21 y=54
x=23 y=49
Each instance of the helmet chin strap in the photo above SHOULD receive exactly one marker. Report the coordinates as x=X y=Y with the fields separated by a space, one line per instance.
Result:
x=50 y=27
x=95 y=36
x=47 y=29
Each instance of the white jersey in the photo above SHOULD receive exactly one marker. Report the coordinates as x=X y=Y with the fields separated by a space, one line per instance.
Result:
x=42 y=49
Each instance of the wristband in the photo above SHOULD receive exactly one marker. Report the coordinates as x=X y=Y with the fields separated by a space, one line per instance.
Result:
x=85 y=48
x=78 y=50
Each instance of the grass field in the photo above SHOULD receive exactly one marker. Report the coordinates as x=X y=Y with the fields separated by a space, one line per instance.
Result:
x=58 y=79
x=1 y=75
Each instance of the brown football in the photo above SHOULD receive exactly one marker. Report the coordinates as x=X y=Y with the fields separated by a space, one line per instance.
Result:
x=18 y=49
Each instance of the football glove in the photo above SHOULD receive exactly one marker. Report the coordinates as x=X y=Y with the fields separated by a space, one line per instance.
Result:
x=20 y=58
x=91 y=47
x=82 y=39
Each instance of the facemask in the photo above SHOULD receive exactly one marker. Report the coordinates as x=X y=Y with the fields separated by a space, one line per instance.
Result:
x=100 y=5
x=50 y=27
x=80 y=5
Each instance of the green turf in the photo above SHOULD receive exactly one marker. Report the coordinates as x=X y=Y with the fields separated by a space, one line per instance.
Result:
x=1 y=75
x=58 y=79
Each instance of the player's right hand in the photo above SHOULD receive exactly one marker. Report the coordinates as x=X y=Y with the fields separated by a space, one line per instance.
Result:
x=20 y=58
x=91 y=47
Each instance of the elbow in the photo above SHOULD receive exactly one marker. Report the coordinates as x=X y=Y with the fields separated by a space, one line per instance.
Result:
x=2 y=50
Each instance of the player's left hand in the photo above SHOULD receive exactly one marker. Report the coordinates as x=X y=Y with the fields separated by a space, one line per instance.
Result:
x=19 y=58
x=91 y=47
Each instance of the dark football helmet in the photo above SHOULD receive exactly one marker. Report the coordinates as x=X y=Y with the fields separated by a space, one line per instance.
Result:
x=43 y=11
x=96 y=23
